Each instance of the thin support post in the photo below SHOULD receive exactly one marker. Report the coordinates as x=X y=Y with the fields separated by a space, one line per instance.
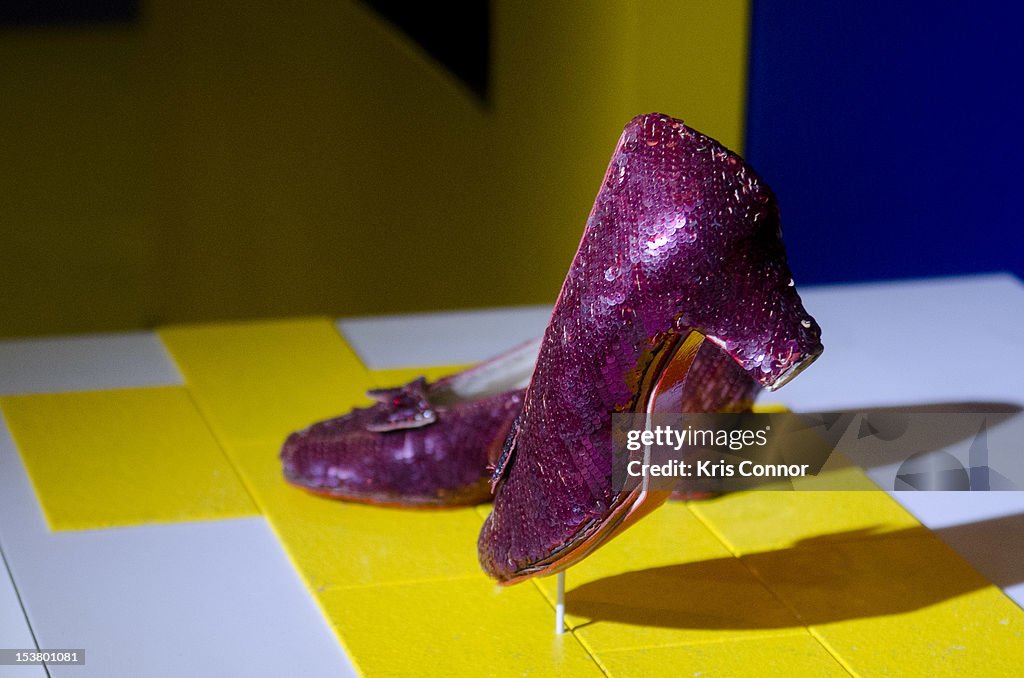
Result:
x=560 y=605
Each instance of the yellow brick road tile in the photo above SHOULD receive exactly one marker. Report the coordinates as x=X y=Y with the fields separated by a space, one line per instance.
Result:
x=749 y=522
x=667 y=581
x=124 y=457
x=403 y=375
x=898 y=605
x=338 y=544
x=460 y=627
x=258 y=381
x=790 y=655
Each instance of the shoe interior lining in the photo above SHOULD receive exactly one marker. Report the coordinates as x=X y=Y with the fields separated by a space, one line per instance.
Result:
x=507 y=372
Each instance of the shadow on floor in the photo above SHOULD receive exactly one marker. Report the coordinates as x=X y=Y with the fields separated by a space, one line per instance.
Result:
x=832 y=578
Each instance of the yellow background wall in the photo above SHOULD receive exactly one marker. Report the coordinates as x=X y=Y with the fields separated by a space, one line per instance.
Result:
x=229 y=160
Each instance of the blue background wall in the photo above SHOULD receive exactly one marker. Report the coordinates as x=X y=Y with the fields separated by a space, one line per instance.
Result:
x=891 y=133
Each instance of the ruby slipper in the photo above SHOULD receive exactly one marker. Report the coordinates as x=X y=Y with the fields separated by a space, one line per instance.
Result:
x=422 y=444
x=683 y=243
x=435 y=444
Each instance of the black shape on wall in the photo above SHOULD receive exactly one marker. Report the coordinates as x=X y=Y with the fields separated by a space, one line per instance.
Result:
x=66 y=12
x=457 y=36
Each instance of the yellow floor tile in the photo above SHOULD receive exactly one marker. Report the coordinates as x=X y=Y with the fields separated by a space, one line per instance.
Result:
x=403 y=375
x=338 y=544
x=666 y=581
x=460 y=627
x=770 y=408
x=258 y=381
x=760 y=520
x=893 y=605
x=124 y=457
x=791 y=655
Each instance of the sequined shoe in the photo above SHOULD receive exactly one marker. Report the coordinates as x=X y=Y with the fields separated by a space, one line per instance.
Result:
x=422 y=444
x=683 y=245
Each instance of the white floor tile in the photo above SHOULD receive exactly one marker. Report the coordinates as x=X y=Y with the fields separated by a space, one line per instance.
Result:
x=912 y=343
x=83 y=363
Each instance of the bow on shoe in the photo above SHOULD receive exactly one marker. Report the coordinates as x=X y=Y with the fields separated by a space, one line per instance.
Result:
x=400 y=408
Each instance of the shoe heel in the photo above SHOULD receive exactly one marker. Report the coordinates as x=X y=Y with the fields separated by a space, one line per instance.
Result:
x=683 y=238
x=662 y=391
